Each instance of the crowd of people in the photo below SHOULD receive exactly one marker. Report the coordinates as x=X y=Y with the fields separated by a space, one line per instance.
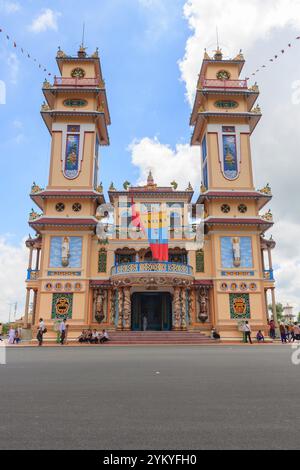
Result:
x=93 y=337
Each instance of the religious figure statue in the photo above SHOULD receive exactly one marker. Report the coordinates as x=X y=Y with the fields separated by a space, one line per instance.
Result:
x=203 y=305
x=236 y=249
x=127 y=309
x=99 y=316
x=65 y=252
x=177 y=309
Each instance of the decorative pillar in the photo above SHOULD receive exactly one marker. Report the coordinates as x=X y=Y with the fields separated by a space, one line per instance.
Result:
x=263 y=260
x=37 y=262
x=34 y=306
x=177 y=309
x=127 y=309
x=25 y=323
x=120 y=305
x=266 y=303
x=183 y=308
x=274 y=307
x=270 y=259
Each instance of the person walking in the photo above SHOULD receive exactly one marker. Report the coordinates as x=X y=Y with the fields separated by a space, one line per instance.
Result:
x=62 y=329
x=282 y=333
x=41 y=331
x=247 y=331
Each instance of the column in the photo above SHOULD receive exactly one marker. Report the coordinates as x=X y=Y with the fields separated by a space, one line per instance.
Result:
x=274 y=307
x=29 y=262
x=270 y=263
x=25 y=323
x=127 y=309
x=183 y=309
x=120 y=308
x=37 y=262
x=266 y=303
x=34 y=307
x=176 y=309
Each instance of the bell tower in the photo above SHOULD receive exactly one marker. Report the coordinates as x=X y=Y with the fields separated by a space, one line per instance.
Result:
x=76 y=115
x=224 y=117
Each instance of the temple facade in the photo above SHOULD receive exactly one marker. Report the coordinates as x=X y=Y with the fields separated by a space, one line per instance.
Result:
x=92 y=261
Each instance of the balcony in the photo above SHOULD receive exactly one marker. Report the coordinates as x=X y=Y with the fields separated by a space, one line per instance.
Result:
x=32 y=275
x=76 y=82
x=224 y=84
x=153 y=267
x=269 y=275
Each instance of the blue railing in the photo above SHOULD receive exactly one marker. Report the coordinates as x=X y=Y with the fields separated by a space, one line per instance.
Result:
x=152 y=267
x=32 y=274
x=269 y=274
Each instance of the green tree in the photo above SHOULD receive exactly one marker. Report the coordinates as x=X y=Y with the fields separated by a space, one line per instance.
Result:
x=279 y=310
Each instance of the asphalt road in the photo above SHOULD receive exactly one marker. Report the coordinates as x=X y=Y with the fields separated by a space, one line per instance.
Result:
x=218 y=397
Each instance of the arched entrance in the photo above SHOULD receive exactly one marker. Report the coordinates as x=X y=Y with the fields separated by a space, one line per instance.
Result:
x=152 y=310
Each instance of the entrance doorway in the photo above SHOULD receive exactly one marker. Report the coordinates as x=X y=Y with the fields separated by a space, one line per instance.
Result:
x=152 y=310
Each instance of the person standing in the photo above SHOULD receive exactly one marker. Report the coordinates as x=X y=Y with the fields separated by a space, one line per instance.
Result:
x=296 y=332
x=247 y=331
x=41 y=331
x=11 y=335
x=282 y=333
x=1 y=332
x=272 y=329
x=145 y=323
x=62 y=329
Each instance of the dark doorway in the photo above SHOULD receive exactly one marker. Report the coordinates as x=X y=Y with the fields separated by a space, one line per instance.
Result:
x=151 y=310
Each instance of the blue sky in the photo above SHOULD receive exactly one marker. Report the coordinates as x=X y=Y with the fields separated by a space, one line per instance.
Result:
x=139 y=54
x=151 y=52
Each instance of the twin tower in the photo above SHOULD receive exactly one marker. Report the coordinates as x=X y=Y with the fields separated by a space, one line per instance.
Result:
x=116 y=283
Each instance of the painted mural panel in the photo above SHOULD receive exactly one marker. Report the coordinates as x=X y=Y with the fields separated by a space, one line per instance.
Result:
x=65 y=252
x=72 y=155
x=236 y=252
x=62 y=306
x=239 y=306
x=230 y=163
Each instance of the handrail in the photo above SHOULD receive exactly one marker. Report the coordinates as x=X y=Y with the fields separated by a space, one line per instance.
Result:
x=152 y=266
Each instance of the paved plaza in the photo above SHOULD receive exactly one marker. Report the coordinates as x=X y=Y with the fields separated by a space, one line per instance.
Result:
x=209 y=397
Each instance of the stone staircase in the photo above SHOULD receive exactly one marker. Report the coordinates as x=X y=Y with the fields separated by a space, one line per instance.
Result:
x=158 y=337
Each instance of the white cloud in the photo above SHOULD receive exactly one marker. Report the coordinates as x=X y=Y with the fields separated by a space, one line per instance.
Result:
x=46 y=20
x=240 y=25
x=181 y=164
x=9 y=7
x=13 y=262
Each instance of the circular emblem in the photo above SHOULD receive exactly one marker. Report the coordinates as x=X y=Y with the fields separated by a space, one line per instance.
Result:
x=78 y=286
x=223 y=75
x=225 y=208
x=253 y=286
x=48 y=286
x=224 y=286
x=234 y=286
x=239 y=306
x=62 y=306
x=243 y=286
x=58 y=286
x=68 y=286
x=242 y=208
x=78 y=73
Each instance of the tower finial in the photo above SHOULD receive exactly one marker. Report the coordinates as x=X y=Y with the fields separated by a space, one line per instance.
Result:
x=82 y=48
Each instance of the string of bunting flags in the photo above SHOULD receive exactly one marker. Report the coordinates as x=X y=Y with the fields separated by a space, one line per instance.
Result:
x=25 y=52
x=273 y=59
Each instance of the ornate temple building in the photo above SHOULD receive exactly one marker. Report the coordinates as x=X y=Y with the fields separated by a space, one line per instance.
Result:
x=93 y=259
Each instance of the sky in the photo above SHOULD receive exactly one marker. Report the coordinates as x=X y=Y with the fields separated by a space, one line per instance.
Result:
x=151 y=52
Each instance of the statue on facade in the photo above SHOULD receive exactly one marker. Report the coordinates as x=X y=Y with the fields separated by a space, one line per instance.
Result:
x=236 y=249
x=99 y=315
x=65 y=252
x=203 y=305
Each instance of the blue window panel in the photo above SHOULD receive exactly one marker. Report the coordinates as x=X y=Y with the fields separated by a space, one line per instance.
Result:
x=204 y=149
